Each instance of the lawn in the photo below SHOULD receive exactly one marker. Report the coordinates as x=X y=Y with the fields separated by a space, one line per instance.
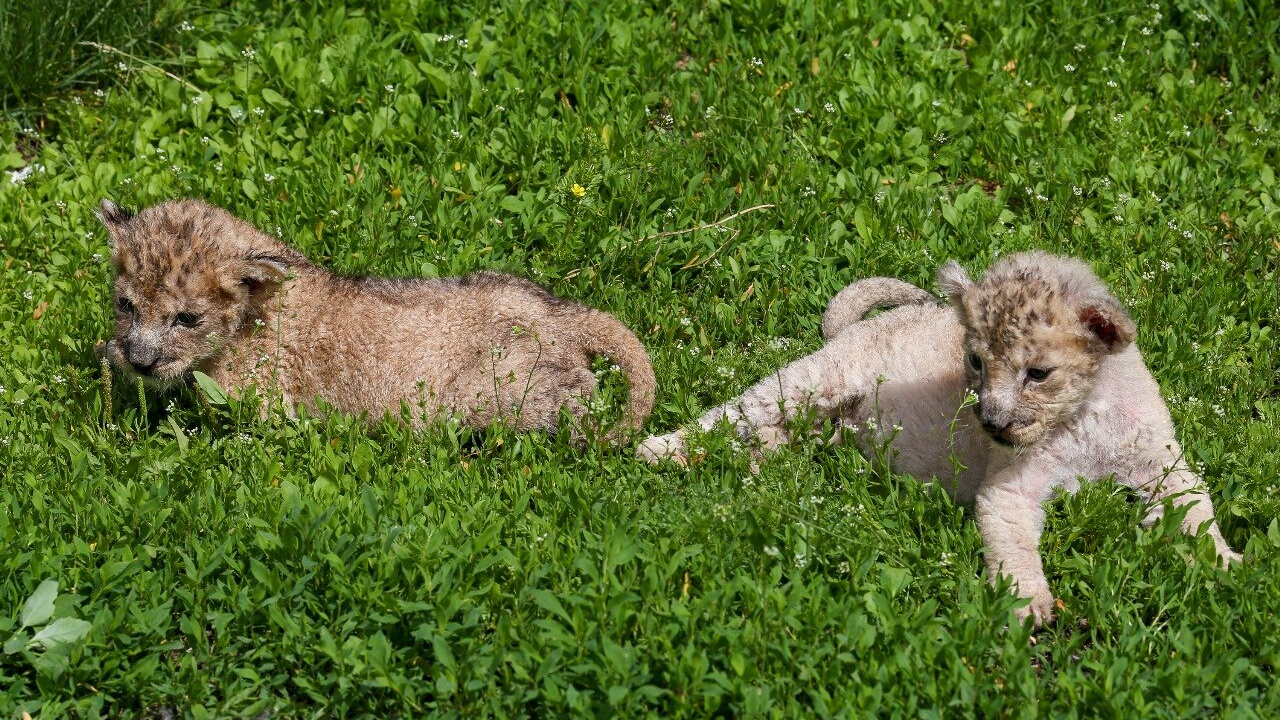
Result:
x=209 y=564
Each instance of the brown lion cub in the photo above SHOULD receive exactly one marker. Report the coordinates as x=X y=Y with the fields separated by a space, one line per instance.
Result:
x=198 y=289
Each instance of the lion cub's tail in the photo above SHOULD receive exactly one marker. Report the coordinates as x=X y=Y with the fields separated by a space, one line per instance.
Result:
x=854 y=302
x=603 y=334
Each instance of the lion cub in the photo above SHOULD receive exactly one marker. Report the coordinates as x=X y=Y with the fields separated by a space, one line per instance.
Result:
x=199 y=289
x=1061 y=391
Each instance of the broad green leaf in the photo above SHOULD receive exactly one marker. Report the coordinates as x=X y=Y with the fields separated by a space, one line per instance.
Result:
x=486 y=55
x=864 y=222
x=210 y=387
x=39 y=607
x=439 y=79
x=274 y=98
x=16 y=643
x=62 y=631
x=549 y=602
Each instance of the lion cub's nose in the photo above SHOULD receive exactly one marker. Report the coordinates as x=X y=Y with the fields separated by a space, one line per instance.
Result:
x=994 y=424
x=994 y=428
x=143 y=359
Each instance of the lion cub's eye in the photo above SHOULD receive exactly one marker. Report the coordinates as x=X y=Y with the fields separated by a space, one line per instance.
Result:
x=125 y=305
x=975 y=362
x=1037 y=373
x=187 y=319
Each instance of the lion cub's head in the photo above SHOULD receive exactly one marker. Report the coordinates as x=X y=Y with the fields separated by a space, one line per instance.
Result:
x=187 y=277
x=1036 y=328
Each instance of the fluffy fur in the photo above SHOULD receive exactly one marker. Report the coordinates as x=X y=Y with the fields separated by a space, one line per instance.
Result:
x=199 y=289
x=1062 y=394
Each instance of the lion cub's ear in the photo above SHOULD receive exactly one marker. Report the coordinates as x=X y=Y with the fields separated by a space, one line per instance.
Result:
x=114 y=217
x=954 y=281
x=1107 y=324
x=260 y=272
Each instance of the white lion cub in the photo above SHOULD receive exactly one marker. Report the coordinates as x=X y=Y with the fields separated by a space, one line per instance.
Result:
x=1062 y=394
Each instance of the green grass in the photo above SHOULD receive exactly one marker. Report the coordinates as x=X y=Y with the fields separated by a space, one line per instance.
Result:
x=228 y=567
x=45 y=50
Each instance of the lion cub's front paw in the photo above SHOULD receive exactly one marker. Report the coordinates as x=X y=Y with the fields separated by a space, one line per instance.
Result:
x=657 y=448
x=1040 y=609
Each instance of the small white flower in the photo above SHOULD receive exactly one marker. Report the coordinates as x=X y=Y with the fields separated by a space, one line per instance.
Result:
x=1077 y=190
x=772 y=550
x=462 y=43
x=801 y=560
x=27 y=294
x=17 y=177
x=258 y=111
x=797 y=111
x=1202 y=17
x=268 y=177
x=389 y=88
x=99 y=93
x=1113 y=84
x=455 y=134
x=843 y=567
x=1079 y=47
x=757 y=62
x=1069 y=68
x=197 y=99
x=1187 y=234
x=1146 y=30
x=444 y=38
x=97 y=257
x=829 y=107
x=1118 y=117
x=879 y=197
x=248 y=53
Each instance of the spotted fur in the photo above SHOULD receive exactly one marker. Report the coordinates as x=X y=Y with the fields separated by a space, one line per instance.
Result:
x=198 y=289
x=1061 y=394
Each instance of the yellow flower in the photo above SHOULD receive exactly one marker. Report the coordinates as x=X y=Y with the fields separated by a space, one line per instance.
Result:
x=578 y=190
